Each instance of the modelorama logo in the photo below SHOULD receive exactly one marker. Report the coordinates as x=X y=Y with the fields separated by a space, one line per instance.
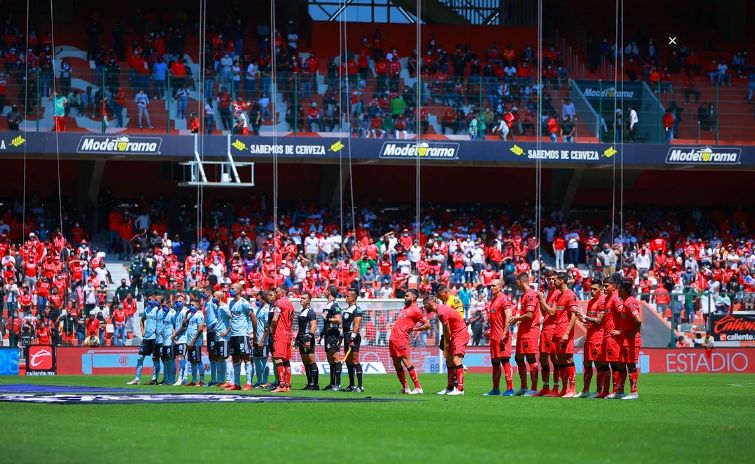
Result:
x=120 y=145
x=421 y=149
x=703 y=155
x=608 y=92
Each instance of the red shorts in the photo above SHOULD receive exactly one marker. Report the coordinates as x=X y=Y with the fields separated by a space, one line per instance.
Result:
x=611 y=349
x=458 y=344
x=593 y=351
x=563 y=347
x=399 y=348
x=500 y=348
x=546 y=342
x=630 y=350
x=527 y=343
x=282 y=349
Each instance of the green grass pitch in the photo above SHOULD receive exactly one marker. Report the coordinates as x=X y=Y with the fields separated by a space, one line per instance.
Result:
x=679 y=418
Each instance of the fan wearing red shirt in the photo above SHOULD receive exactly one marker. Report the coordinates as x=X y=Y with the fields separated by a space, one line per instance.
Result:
x=43 y=334
x=611 y=342
x=528 y=317
x=499 y=313
x=595 y=321
x=455 y=331
x=547 y=348
x=283 y=316
x=628 y=327
x=398 y=342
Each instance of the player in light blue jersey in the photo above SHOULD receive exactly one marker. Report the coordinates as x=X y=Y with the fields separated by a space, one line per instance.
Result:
x=239 y=347
x=149 y=347
x=211 y=318
x=261 y=312
x=222 y=330
x=194 y=329
x=179 y=338
x=159 y=318
x=168 y=354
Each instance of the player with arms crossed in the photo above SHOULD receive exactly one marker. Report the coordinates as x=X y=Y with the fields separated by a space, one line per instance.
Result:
x=179 y=338
x=352 y=340
x=239 y=349
x=195 y=327
x=528 y=334
x=159 y=318
x=457 y=336
x=499 y=313
x=211 y=318
x=259 y=350
x=149 y=347
x=398 y=342
x=611 y=340
x=222 y=337
x=168 y=354
x=331 y=335
x=283 y=316
x=629 y=333
x=547 y=348
x=593 y=351
x=305 y=340
x=563 y=338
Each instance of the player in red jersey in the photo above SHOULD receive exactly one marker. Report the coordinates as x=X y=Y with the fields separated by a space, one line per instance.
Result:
x=528 y=334
x=566 y=310
x=499 y=313
x=629 y=333
x=457 y=336
x=611 y=343
x=593 y=350
x=547 y=349
x=283 y=316
x=398 y=343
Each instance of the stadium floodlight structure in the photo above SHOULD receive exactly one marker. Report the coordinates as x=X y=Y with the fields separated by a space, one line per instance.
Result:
x=227 y=174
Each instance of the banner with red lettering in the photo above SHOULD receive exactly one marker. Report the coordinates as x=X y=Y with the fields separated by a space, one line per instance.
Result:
x=734 y=327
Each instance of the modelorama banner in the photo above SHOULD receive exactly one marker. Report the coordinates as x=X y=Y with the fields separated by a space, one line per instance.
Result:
x=375 y=360
x=329 y=150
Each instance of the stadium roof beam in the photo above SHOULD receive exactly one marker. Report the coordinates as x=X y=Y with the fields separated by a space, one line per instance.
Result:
x=433 y=11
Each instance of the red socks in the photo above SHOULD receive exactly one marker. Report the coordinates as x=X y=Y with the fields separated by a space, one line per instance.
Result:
x=522 y=368
x=401 y=377
x=533 y=375
x=413 y=375
x=281 y=369
x=622 y=379
x=633 y=381
x=459 y=377
x=451 y=378
x=588 y=379
x=508 y=375
x=497 y=375
x=616 y=382
x=571 y=374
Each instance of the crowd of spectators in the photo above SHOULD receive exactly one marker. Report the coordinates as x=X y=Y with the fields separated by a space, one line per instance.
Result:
x=663 y=68
x=687 y=264
x=373 y=87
